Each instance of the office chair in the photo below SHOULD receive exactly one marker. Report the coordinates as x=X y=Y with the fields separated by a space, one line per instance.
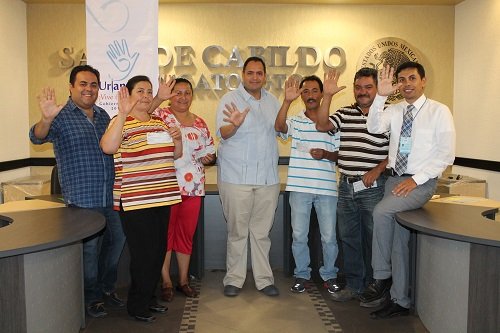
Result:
x=55 y=186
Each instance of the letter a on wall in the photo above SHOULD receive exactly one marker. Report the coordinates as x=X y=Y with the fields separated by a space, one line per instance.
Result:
x=122 y=41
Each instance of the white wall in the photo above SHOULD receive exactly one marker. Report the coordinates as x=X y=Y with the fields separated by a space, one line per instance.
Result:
x=476 y=98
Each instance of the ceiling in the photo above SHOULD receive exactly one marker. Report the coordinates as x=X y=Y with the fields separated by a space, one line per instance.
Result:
x=344 y=2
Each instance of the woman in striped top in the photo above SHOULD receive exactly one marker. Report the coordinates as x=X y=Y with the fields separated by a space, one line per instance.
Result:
x=145 y=187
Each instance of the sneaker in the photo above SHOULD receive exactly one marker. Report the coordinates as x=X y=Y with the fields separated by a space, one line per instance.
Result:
x=376 y=293
x=96 y=310
x=331 y=285
x=344 y=295
x=113 y=299
x=299 y=285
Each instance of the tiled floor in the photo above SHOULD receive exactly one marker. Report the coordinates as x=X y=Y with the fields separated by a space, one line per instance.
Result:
x=251 y=311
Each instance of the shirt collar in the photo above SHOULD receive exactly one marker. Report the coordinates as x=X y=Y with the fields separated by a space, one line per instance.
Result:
x=247 y=96
x=418 y=103
x=73 y=106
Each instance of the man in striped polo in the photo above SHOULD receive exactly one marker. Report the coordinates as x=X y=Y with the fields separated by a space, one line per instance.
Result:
x=362 y=161
x=311 y=181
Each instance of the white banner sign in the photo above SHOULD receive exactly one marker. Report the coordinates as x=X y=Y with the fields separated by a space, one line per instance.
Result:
x=122 y=41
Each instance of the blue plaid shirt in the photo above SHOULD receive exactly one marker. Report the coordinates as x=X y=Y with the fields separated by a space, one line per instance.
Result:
x=86 y=174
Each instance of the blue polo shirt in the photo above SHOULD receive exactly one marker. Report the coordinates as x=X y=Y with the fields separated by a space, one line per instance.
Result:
x=250 y=156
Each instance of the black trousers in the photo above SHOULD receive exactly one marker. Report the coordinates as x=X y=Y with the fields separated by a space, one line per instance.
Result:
x=146 y=231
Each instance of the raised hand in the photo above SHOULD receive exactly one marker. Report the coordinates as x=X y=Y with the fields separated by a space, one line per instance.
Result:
x=125 y=105
x=234 y=116
x=292 y=90
x=330 y=83
x=165 y=89
x=48 y=105
x=385 y=86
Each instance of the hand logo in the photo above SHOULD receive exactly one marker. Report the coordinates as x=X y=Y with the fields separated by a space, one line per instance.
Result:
x=119 y=54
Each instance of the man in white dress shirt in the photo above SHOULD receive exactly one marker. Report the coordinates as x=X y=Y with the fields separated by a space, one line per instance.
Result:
x=422 y=145
x=247 y=177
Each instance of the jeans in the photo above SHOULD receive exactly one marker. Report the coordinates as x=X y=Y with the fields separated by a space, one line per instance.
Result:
x=326 y=208
x=101 y=253
x=391 y=254
x=355 y=220
x=113 y=241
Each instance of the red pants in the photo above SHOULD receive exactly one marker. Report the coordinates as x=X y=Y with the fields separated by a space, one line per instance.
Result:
x=182 y=225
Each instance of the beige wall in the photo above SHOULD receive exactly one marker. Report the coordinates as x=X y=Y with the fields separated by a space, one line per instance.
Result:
x=476 y=94
x=50 y=29
x=199 y=25
x=13 y=60
x=14 y=106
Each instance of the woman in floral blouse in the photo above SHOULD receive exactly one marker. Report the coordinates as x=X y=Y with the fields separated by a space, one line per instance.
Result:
x=198 y=151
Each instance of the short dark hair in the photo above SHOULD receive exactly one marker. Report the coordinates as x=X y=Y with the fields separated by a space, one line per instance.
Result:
x=257 y=59
x=411 y=64
x=83 y=68
x=367 y=72
x=183 y=80
x=136 y=79
x=312 y=78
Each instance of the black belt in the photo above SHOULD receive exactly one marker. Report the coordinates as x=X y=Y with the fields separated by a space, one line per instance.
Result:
x=392 y=172
x=351 y=179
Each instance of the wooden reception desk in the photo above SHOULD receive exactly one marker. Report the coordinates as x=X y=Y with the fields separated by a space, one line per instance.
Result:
x=41 y=270
x=457 y=267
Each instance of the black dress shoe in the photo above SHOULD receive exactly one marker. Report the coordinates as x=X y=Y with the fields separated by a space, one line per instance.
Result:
x=376 y=293
x=145 y=318
x=391 y=309
x=270 y=290
x=158 y=308
x=231 y=290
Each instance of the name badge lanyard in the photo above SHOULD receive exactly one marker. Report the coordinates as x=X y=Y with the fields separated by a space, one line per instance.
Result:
x=405 y=143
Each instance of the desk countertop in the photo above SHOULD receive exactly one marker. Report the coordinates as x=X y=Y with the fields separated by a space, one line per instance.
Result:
x=36 y=226
x=459 y=219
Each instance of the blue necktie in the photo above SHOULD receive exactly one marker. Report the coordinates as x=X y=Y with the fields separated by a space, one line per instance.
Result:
x=402 y=159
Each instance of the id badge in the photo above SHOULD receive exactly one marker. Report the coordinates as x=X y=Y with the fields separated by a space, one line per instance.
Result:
x=303 y=147
x=405 y=145
x=158 y=137
x=360 y=186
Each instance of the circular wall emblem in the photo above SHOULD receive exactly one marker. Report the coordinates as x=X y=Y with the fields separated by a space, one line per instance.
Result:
x=389 y=50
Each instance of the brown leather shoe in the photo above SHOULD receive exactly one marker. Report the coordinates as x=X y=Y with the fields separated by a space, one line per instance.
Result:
x=167 y=294
x=187 y=290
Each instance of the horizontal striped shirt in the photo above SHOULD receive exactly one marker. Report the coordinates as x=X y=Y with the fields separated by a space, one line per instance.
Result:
x=306 y=174
x=144 y=168
x=360 y=151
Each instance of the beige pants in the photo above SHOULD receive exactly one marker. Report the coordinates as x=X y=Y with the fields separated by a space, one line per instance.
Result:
x=249 y=212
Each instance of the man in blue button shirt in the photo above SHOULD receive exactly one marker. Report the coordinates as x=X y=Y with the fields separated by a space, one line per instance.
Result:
x=86 y=175
x=248 y=177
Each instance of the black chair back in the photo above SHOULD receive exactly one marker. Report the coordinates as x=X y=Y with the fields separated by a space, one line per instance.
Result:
x=55 y=186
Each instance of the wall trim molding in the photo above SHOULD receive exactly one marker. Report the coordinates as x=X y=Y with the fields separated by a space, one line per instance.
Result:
x=477 y=164
x=27 y=162
x=283 y=160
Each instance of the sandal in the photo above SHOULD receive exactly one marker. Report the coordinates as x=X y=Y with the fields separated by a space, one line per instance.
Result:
x=187 y=290
x=167 y=294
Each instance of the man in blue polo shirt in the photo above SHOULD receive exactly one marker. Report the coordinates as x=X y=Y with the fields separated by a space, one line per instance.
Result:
x=86 y=175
